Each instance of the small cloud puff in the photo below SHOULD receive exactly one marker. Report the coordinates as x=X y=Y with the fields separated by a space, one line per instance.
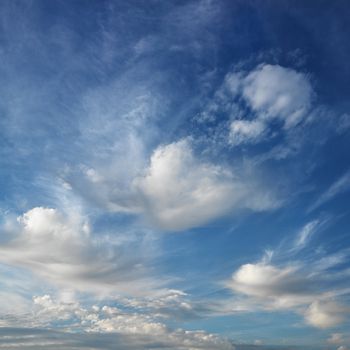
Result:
x=272 y=93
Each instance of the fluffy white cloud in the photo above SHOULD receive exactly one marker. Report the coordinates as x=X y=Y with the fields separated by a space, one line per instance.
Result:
x=278 y=92
x=62 y=249
x=175 y=189
x=271 y=287
x=325 y=314
x=273 y=93
x=180 y=191
x=275 y=287
x=145 y=329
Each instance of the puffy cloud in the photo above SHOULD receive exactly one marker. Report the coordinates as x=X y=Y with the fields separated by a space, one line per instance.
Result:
x=324 y=314
x=143 y=329
x=272 y=93
x=271 y=287
x=278 y=92
x=62 y=249
x=180 y=191
x=175 y=189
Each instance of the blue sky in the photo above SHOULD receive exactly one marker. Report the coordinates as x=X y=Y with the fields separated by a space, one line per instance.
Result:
x=174 y=175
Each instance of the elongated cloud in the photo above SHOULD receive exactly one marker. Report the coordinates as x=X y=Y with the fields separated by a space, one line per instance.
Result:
x=63 y=250
x=135 y=330
x=271 y=287
x=339 y=186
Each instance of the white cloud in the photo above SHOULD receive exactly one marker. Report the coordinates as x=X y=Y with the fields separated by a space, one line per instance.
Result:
x=325 y=314
x=305 y=234
x=145 y=329
x=62 y=249
x=270 y=287
x=244 y=131
x=278 y=92
x=276 y=288
x=174 y=304
x=339 y=186
x=175 y=190
x=262 y=102
x=180 y=191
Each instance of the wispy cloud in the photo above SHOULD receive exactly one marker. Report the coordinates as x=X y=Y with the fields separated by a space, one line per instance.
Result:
x=306 y=233
x=339 y=186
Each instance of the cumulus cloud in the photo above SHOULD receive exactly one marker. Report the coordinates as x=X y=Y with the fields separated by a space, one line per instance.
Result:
x=176 y=189
x=180 y=191
x=275 y=287
x=273 y=94
x=62 y=249
x=292 y=287
x=278 y=92
x=145 y=330
x=324 y=314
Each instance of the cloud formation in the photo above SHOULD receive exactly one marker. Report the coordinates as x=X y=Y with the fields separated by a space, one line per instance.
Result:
x=323 y=314
x=341 y=185
x=292 y=287
x=137 y=329
x=180 y=191
x=273 y=94
x=62 y=249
